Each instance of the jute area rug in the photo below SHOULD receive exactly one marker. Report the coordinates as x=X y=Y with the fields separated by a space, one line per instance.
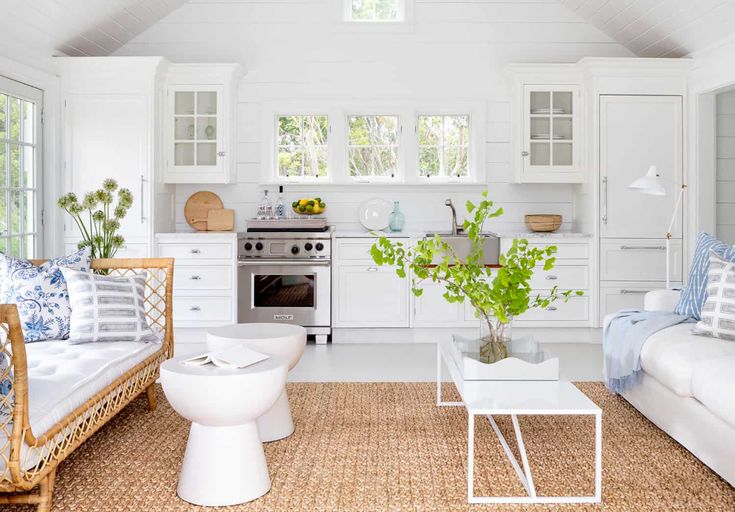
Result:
x=386 y=446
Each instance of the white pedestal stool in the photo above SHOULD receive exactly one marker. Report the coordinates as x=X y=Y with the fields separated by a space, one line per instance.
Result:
x=224 y=463
x=283 y=340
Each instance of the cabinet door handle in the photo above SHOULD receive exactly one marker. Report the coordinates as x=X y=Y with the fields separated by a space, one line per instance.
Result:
x=195 y=308
x=195 y=278
x=604 y=200
x=633 y=292
x=551 y=278
x=642 y=247
x=524 y=153
x=551 y=308
x=372 y=269
x=221 y=153
x=195 y=251
x=142 y=191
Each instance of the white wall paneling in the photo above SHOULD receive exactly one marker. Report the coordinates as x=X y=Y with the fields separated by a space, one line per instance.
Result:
x=725 y=184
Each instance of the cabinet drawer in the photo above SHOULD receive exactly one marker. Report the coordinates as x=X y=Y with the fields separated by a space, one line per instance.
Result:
x=617 y=296
x=355 y=250
x=566 y=277
x=196 y=252
x=639 y=260
x=577 y=309
x=202 y=310
x=203 y=278
x=567 y=251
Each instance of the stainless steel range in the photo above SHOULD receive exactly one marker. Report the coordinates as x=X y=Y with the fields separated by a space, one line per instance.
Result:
x=286 y=277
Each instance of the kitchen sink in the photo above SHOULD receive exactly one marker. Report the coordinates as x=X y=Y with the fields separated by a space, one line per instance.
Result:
x=462 y=246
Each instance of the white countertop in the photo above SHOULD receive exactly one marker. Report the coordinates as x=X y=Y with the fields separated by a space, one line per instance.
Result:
x=420 y=234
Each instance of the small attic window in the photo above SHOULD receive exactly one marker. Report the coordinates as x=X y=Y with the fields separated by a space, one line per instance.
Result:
x=375 y=10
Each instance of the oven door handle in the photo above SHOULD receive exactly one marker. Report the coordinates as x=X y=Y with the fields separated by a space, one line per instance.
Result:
x=285 y=263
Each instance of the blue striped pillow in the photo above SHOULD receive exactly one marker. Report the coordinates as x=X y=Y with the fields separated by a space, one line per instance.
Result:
x=695 y=292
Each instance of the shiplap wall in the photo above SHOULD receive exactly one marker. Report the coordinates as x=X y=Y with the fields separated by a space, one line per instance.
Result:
x=456 y=50
x=725 y=187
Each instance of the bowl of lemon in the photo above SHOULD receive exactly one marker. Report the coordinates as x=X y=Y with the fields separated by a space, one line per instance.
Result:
x=309 y=206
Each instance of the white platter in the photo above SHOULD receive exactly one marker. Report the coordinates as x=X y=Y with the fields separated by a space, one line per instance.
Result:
x=374 y=213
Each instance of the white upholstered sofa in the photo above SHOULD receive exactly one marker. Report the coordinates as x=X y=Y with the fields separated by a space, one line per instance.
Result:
x=688 y=389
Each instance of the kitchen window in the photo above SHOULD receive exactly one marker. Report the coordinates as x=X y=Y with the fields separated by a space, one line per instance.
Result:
x=302 y=146
x=375 y=10
x=373 y=146
x=20 y=142
x=443 y=146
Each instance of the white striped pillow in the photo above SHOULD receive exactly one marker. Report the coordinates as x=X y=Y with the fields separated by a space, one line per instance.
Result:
x=718 y=312
x=107 y=308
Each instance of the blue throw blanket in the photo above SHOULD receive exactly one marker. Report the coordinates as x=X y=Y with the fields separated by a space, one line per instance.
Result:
x=623 y=339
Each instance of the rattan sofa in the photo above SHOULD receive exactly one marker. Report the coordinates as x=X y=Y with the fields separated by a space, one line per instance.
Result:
x=28 y=460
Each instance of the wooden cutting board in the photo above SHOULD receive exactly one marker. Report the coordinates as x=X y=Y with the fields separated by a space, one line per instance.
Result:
x=196 y=209
x=221 y=220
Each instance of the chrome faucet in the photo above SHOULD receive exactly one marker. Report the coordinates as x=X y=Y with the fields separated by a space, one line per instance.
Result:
x=456 y=228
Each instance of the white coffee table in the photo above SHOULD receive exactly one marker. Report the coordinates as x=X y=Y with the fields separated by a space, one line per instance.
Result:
x=284 y=340
x=224 y=463
x=516 y=398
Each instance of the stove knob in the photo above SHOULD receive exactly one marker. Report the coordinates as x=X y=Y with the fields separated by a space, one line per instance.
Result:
x=295 y=249
x=259 y=246
x=319 y=246
x=248 y=246
x=308 y=246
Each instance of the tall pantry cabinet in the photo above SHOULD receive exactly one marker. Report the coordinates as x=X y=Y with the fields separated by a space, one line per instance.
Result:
x=111 y=119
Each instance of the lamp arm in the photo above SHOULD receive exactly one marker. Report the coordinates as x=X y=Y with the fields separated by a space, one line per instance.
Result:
x=676 y=209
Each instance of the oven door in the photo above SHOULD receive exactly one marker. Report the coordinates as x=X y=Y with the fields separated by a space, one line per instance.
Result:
x=295 y=292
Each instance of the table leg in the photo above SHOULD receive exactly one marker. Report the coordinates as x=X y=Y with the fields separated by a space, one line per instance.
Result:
x=470 y=457
x=598 y=457
x=439 y=401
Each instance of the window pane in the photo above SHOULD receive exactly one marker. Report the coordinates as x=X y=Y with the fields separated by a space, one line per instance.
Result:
x=386 y=163
x=29 y=211
x=206 y=154
x=3 y=118
x=430 y=130
x=384 y=130
x=29 y=175
x=184 y=153
x=455 y=160
x=14 y=118
x=14 y=213
x=184 y=128
x=14 y=246
x=374 y=141
x=14 y=165
x=3 y=213
x=290 y=162
x=29 y=122
x=359 y=161
x=429 y=161
x=456 y=130
x=386 y=10
x=363 y=10
x=29 y=247
x=207 y=128
x=207 y=102
x=4 y=245
x=302 y=146
x=3 y=164
x=375 y=10
x=359 y=131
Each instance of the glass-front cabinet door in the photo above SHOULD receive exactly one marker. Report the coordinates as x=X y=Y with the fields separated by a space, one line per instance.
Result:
x=551 y=132
x=195 y=117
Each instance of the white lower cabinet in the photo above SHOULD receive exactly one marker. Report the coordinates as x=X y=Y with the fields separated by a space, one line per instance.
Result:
x=370 y=296
x=205 y=279
x=432 y=310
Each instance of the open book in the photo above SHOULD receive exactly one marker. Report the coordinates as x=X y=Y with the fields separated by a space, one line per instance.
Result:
x=235 y=357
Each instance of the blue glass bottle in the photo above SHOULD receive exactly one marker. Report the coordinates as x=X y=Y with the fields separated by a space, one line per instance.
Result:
x=396 y=221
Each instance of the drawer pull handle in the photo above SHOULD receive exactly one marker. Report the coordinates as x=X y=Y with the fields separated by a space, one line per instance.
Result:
x=195 y=308
x=372 y=269
x=551 y=308
x=634 y=292
x=195 y=251
x=195 y=278
x=552 y=278
x=642 y=247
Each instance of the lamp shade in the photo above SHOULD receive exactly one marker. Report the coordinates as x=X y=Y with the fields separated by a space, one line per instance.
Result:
x=649 y=184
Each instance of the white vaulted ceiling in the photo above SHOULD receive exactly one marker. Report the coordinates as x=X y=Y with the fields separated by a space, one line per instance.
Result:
x=32 y=31
x=660 y=28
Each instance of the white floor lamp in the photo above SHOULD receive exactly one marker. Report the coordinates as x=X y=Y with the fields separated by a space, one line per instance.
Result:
x=651 y=184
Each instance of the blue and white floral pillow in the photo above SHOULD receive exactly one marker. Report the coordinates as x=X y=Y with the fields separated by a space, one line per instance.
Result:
x=40 y=293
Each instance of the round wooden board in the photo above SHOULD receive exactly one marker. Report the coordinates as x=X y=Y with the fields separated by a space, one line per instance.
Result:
x=197 y=206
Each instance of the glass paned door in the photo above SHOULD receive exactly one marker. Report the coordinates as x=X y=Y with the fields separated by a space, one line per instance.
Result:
x=550 y=122
x=20 y=168
x=196 y=119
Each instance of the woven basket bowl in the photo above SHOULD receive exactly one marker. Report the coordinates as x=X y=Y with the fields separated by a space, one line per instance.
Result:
x=543 y=222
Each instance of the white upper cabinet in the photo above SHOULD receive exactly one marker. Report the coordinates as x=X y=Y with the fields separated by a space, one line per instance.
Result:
x=547 y=124
x=199 y=123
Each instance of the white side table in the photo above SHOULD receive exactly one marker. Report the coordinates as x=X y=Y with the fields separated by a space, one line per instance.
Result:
x=288 y=341
x=224 y=463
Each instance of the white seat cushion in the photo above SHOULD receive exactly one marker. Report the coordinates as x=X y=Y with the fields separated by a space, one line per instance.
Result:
x=713 y=384
x=61 y=376
x=671 y=355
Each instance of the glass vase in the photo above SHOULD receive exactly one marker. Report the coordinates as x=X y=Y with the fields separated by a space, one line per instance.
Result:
x=495 y=340
x=396 y=221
